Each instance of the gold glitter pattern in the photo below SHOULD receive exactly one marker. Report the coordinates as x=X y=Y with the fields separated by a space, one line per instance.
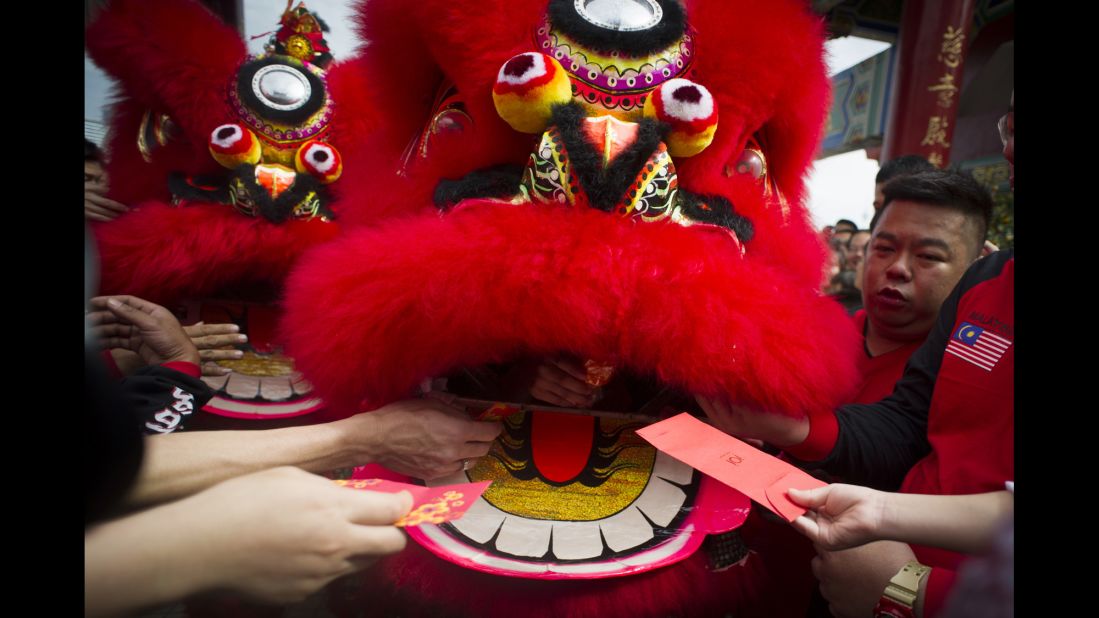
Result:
x=434 y=512
x=598 y=374
x=253 y=364
x=357 y=483
x=627 y=477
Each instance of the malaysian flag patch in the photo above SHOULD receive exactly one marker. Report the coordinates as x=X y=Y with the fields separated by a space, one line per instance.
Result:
x=978 y=346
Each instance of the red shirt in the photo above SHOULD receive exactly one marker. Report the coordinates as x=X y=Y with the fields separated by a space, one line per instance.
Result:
x=878 y=373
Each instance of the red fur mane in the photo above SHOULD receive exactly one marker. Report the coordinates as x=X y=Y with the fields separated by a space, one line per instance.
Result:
x=423 y=295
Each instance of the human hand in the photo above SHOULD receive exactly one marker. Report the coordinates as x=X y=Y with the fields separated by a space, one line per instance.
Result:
x=208 y=338
x=125 y=361
x=563 y=382
x=97 y=206
x=282 y=534
x=211 y=339
x=779 y=430
x=143 y=327
x=852 y=580
x=840 y=516
x=423 y=438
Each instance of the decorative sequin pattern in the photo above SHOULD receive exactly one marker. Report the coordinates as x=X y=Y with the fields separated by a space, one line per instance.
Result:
x=614 y=83
x=548 y=176
x=651 y=198
x=254 y=364
x=279 y=139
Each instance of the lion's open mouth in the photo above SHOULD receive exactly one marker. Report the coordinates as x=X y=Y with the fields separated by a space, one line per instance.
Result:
x=575 y=493
x=562 y=505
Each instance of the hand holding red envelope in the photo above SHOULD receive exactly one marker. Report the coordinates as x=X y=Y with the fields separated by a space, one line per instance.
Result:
x=430 y=505
x=743 y=467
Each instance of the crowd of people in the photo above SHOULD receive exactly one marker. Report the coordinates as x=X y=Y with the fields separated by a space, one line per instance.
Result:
x=917 y=519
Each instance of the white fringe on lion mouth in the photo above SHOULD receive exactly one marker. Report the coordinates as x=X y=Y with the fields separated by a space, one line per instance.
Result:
x=510 y=544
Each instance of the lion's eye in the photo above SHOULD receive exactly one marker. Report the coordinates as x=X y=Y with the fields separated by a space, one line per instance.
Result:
x=751 y=162
x=450 y=122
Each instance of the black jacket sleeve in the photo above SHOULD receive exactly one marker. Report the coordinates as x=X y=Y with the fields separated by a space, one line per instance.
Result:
x=163 y=398
x=112 y=442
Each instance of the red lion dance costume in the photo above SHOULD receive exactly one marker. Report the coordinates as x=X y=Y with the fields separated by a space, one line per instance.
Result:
x=617 y=181
x=232 y=163
x=620 y=181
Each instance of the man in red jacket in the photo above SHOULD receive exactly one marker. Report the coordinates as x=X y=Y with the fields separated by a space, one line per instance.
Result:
x=930 y=230
x=947 y=428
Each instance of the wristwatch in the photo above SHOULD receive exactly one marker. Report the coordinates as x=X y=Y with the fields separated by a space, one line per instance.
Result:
x=900 y=594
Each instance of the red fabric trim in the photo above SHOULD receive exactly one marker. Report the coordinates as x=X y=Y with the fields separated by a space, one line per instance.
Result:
x=940 y=582
x=190 y=369
x=823 y=432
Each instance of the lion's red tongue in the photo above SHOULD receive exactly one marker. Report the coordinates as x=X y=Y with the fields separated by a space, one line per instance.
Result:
x=609 y=136
x=561 y=444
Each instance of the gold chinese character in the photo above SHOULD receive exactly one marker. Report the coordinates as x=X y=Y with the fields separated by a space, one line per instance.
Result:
x=945 y=89
x=951 y=51
x=936 y=159
x=936 y=132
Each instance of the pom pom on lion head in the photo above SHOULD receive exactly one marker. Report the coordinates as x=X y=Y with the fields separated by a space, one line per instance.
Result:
x=701 y=272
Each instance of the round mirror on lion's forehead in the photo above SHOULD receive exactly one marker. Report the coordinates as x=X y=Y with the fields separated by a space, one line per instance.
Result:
x=281 y=87
x=620 y=15
x=281 y=97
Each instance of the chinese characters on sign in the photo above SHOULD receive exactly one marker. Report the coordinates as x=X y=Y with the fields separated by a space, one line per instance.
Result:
x=946 y=89
x=951 y=51
x=936 y=132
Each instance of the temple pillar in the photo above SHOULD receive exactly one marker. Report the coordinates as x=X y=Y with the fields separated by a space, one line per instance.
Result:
x=933 y=39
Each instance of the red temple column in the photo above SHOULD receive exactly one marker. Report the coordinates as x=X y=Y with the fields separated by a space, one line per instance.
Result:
x=933 y=40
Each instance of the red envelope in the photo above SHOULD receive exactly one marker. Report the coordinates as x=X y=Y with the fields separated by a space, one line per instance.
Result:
x=739 y=465
x=430 y=505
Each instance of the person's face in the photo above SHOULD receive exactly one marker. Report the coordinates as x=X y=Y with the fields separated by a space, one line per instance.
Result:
x=831 y=269
x=857 y=248
x=915 y=258
x=93 y=173
x=879 y=196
